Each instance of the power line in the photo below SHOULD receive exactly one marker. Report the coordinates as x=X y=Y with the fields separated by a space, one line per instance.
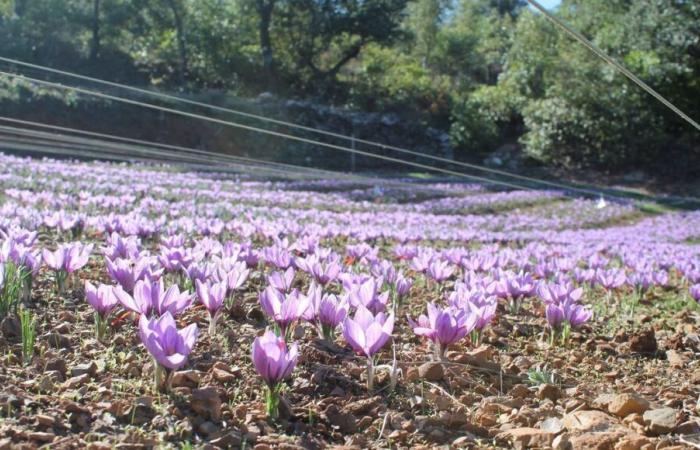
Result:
x=223 y=156
x=279 y=134
x=300 y=127
x=619 y=67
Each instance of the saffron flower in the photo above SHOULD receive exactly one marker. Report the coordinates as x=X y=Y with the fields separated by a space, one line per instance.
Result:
x=367 y=333
x=151 y=298
x=274 y=362
x=168 y=346
x=325 y=311
x=562 y=317
x=440 y=270
x=695 y=292
x=283 y=309
x=282 y=281
x=103 y=301
x=212 y=296
x=366 y=294
x=443 y=327
x=65 y=260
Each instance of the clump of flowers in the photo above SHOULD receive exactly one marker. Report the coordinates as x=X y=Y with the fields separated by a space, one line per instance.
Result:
x=563 y=317
x=367 y=333
x=274 y=362
x=283 y=309
x=168 y=346
x=443 y=327
x=212 y=296
x=65 y=260
x=103 y=301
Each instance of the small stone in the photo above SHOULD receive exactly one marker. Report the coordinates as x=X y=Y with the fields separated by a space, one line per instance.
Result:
x=624 y=404
x=41 y=436
x=88 y=368
x=58 y=340
x=45 y=420
x=661 y=421
x=222 y=375
x=431 y=371
x=588 y=421
x=635 y=442
x=644 y=342
x=561 y=442
x=596 y=440
x=398 y=436
x=552 y=424
x=344 y=421
x=77 y=381
x=549 y=391
x=675 y=359
x=206 y=402
x=526 y=437
x=57 y=364
x=185 y=378
x=520 y=391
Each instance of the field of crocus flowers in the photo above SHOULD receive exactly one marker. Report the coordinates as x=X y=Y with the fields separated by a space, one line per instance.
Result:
x=149 y=307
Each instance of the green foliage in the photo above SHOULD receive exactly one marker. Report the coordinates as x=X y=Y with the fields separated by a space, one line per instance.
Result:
x=28 y=325
x=488 y=72
x=12 y=279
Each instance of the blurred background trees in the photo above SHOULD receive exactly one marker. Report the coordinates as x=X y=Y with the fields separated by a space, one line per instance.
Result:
x=489 y=73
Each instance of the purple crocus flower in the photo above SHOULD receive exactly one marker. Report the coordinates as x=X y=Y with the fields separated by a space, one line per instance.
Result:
x=284 y=309
x=440 y=270
x=150 y=297
x=366 y=294
x=101 y=298
x=367 y=334
x=282 y=281
x=551 y=292
x=169 y=346
x=236 y=275
x=278 y=257
x=611 y=278
x=274 y=362
x=570 y=313
x=520 y=285
x=76 y=256
x=443 y=327
x=402 y=285
x=127 y=272
x=483 y=309
x=326 y=311
x=212 y=296
x=695 y=292
x=103 y=301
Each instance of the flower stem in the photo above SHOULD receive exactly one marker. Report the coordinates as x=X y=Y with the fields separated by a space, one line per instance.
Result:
x=100 y=327
x=158 y=375
x=370 y=374
x=272 y=402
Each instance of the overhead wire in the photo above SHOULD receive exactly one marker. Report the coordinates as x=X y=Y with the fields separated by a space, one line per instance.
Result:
x=614 y=63
x=288 y=124
x=360 y=179
x=590 y=192
x=278 y=134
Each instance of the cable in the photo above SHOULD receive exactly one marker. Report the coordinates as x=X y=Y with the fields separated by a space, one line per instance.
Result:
x=619 y=67
x=276 y=133
x=320 y=172
x=296 y=126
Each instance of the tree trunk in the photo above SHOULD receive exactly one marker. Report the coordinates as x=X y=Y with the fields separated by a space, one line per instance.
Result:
x=95 y=46
x=265 y=8
x=181 y=40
